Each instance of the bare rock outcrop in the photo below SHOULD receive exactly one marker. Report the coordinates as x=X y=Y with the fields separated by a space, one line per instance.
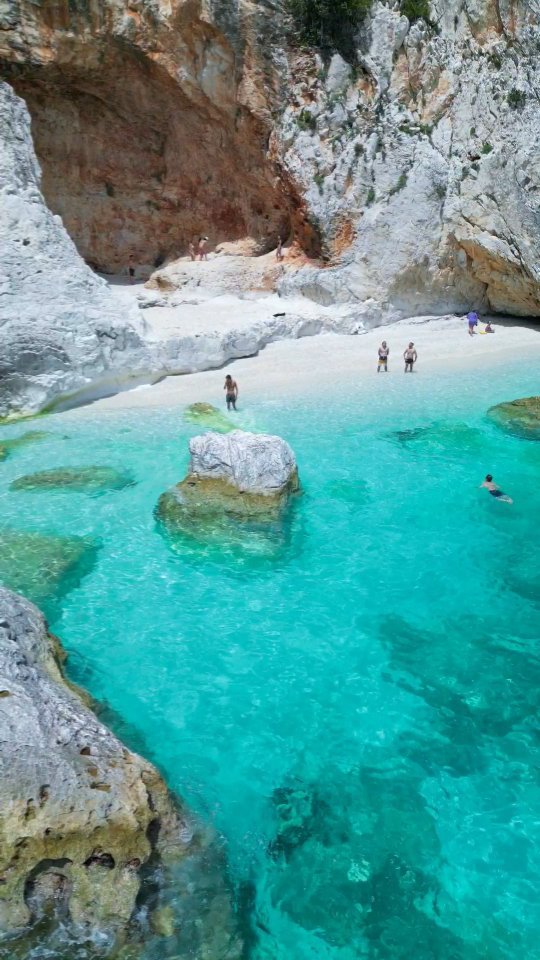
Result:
x=232 y=477
x=59 y=326
x=81 y=816
x=421 y=169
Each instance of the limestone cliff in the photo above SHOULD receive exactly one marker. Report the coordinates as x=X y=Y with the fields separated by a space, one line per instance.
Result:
x=413 y=170
x=59 y=326
x=420 y=166
x=86 y=825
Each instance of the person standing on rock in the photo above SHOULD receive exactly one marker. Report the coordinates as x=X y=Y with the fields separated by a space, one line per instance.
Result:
x=231 y=392
x=410 y=356
x=384 y=353
x=202 y=248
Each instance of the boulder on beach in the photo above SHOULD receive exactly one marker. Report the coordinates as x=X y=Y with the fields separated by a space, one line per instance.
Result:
x=79 y=479
x=207 y=417
x=8 y=446
x=89 y=835
x=241 y=475
x=520 y=417
x=43 y=567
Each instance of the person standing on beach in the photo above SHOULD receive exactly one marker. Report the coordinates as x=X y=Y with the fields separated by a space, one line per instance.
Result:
x=231 y=392
x=410 y=356
x=384 y=353
x=279 y=250
x=472 y=321
x=131 y=269
x=201 y=250
x=494 y=490
x=192 y=251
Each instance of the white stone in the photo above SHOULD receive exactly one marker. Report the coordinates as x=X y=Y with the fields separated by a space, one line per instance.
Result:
x=252 y=462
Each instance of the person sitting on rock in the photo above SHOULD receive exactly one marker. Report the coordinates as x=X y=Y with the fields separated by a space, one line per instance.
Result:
x=231 y=392
x=201 y=250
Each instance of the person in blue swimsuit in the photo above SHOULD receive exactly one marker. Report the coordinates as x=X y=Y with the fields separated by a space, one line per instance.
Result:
x=494 y=490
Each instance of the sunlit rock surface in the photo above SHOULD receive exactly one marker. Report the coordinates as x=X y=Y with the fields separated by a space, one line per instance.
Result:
x=59 y=325
x=89 y=832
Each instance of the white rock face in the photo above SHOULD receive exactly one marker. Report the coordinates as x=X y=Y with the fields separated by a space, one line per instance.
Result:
x=58 y=325
x=426 y=187
x=252 y=462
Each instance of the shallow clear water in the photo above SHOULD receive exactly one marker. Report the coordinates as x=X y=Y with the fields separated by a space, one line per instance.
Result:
x=356 y=708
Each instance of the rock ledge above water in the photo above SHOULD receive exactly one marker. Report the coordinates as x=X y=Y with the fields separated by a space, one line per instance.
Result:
x=82 y=816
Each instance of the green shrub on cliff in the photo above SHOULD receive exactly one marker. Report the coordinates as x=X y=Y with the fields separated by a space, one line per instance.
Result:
x=328 y=24
x=415 y=9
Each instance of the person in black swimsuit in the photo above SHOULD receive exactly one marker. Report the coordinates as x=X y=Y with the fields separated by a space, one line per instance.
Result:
x=494 y=490
x=231 y=392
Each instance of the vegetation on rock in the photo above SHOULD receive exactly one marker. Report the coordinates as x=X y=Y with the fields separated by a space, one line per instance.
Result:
x=329 y=24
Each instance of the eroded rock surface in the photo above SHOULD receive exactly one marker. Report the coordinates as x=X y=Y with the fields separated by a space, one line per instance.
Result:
x=235 y=492
x=422 y=170
x=82 y=817
x=59 y=326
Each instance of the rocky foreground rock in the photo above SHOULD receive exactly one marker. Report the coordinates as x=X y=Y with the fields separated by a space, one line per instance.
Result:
x=82 y=818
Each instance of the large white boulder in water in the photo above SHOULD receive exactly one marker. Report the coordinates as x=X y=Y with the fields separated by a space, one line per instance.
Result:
x=59 y=324
x=246 y=477
x=253 y=463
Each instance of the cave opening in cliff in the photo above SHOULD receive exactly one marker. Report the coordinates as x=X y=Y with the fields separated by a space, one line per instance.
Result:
x=138 y=168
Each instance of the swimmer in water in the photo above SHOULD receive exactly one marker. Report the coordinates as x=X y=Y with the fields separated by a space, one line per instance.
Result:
x=494 y=490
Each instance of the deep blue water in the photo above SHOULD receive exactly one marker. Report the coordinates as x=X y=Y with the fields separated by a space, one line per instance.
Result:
x=352 y=701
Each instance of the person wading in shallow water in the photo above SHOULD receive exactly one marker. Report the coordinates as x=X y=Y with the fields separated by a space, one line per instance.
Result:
x=231 y=392
x=384 y=353
x=410 y=356
x=494 y=490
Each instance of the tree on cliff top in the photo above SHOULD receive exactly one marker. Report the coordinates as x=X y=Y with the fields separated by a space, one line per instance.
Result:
x=329 y=24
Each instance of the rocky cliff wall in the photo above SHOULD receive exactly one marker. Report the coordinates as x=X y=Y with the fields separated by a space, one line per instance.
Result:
x=413 y=171
x=59 y=326
x=420 y=166
x=150 y=121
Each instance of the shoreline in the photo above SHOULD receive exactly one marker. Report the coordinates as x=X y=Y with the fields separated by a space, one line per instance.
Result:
x=316 y=364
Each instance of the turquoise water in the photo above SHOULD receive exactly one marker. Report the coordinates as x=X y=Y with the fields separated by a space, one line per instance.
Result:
x=353 y=705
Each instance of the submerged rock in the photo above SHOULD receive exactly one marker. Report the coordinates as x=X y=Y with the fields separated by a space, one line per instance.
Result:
x=43 y=567
x=83 y=818
x=240 y=476
x=7 y=446
x=81 y=479
x=209 y=418
x=520 y=417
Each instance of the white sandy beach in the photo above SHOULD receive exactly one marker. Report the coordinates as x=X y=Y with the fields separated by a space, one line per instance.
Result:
x=320 y=363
